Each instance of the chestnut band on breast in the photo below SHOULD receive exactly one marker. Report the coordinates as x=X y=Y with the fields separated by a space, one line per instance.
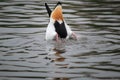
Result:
x=57 y=13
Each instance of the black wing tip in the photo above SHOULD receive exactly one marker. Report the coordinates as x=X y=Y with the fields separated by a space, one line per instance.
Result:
x=45 y=4
x=48 y=9
x=59 y=3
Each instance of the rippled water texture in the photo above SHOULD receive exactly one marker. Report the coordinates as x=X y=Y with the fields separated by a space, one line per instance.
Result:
x=24 y=52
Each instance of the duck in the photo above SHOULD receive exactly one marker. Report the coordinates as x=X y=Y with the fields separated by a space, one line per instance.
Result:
x=57 y=28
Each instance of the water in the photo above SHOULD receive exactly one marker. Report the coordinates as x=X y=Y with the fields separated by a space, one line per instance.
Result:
x=95 y=56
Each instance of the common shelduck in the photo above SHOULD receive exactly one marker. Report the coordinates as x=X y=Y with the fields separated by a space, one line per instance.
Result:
x=57 y=28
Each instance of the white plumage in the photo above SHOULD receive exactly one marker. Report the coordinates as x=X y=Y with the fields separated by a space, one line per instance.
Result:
x=51 y=32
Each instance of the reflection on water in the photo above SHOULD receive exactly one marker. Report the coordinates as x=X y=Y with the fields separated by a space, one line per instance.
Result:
x=23 y=52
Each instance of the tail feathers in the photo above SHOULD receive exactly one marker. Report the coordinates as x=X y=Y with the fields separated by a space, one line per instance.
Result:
x=48 y=9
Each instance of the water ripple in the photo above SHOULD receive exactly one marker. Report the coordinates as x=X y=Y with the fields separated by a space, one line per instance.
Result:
x=24 y=53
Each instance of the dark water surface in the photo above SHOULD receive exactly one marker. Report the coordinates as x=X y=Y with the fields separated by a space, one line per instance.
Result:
x=95 y=56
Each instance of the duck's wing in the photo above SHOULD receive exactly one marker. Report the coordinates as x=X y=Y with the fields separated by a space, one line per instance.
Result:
x=48 y=9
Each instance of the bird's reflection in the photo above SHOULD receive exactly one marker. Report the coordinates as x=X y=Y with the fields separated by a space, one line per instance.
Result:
x=61 y=78
x=59 y=57
x=57 y=60
x=56 y=49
